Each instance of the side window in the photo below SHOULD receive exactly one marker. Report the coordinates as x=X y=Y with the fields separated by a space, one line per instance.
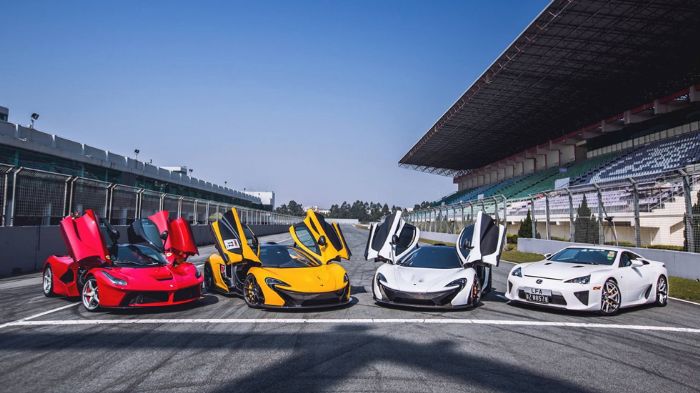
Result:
x=625 y=259
x=306 y=239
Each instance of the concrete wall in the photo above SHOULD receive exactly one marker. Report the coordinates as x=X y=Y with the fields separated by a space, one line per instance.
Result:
x=678 y=263
x=348 y=221
x=24 y=249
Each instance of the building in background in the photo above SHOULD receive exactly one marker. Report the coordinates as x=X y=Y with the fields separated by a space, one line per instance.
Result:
x=267 y=198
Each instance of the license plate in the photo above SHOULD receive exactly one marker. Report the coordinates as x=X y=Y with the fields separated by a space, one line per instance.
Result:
x=538 y=291
x=537 y=298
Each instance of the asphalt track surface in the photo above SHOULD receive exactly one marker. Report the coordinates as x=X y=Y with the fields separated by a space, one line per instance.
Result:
x=220 y=345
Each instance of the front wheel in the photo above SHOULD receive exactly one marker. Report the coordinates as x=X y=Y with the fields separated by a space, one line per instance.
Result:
x=662 y=292
x=48 y=282
x=208 y=282
x=252 y=293
x=610 y=298
x=90 y=295
x=475 y=293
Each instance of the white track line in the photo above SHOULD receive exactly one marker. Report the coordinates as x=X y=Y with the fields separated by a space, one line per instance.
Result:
x=41 y=314
x=436 y=321
x=683 y=300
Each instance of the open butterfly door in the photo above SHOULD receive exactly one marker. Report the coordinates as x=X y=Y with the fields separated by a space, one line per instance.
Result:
x=83 y=237
x=482 y=241
x=319 y=238
x=392 y=239
x=235 y=242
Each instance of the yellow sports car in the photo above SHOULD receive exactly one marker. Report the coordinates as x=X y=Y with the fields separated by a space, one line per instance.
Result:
x=278 y=276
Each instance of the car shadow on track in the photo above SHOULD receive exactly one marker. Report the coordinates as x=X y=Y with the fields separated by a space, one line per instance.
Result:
x=575 y=313
x=305 y=361
x=205 y=300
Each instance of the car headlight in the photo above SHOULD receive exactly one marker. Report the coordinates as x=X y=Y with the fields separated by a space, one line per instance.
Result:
x=518 y=272
x=114 y=280
x=345 y=278
x=460 y=282
x=580 y=280
x=271 y=282
x=381 y=278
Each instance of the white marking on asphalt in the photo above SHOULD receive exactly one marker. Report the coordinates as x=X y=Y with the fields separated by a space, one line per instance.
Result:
x=683 y=300
x=433 y=321
x=41 y=314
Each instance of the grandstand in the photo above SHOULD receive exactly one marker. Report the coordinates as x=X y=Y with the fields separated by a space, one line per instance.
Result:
x=592 y=93
x=30 y=148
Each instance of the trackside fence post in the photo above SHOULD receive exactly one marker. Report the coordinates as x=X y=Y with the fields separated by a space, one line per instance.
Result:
x=548 y=227
x=689 y=219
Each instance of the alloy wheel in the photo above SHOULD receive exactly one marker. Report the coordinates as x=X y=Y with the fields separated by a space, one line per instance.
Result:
x=48 y=281
x=91 y=299
x=252 y=293
x=610 y=298
x=662 y=291
x=475 y=296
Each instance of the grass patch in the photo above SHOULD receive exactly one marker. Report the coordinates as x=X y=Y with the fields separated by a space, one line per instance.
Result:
x=683 y=288
x=520 y=257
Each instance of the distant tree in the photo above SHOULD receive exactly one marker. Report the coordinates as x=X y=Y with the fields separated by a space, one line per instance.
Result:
x=585 y=226
x=525 y=230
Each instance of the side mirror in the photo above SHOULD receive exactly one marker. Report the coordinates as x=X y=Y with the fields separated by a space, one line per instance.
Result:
x=322 y=241
x=547 y=255
x=637 y=263
x=394 y=240
x=164 y=235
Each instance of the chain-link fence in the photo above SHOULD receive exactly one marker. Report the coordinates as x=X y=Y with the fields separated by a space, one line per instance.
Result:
x=35 y=197
x=660 y=211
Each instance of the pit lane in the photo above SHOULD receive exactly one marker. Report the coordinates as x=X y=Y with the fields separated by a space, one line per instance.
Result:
x=222 y=345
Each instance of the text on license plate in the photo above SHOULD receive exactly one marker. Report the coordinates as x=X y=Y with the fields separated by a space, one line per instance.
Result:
x=538 y=291
x=537 y=298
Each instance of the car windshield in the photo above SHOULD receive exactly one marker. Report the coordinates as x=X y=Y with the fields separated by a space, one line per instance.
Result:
x=136 y=255
x=285 y=257
x=588 y=256
x=432 y=257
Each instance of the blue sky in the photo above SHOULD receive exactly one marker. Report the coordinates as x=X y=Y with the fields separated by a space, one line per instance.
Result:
x=316 y=100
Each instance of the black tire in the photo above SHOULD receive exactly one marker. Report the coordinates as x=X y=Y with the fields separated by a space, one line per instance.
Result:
x=661 y=291
x=610 y=298
x=475 y=293
x=47 y=282
x=252 y=294
x=89 y=295
x=208 y=282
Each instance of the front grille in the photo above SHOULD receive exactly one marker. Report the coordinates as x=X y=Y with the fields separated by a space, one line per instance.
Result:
x=582 y=296
x=441 y=298
x=145 y=297
x=186 y=293
x=303 y=299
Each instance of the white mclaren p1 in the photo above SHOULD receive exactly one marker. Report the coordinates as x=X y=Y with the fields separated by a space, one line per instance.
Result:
x=589 y=278
x=436 y=276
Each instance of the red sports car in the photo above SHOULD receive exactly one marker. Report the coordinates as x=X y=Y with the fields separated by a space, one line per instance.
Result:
x=149 y=271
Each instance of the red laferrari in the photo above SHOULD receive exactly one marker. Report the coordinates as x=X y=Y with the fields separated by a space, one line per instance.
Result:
x=149 y=271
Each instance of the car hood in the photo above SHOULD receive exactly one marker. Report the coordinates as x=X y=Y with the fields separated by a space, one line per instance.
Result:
x=560 y=270
x=157 y=277
x=324 y=278
x=411 y=279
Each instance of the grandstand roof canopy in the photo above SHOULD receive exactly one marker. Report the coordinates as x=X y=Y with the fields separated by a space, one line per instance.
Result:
x=578 y=62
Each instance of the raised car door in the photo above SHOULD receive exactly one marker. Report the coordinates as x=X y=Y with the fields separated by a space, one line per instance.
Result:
x=180 y=238
x=319 y=238
x=235 y=242
x=482 y=241
x=148 y=231
x=391 y=239
x=83 y=237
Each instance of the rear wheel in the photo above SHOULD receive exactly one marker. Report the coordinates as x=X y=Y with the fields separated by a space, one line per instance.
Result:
x=662 y=291
x=610 y=298
x=252 y=293
x=48 y=282
x=90 y=295
x=475 y=294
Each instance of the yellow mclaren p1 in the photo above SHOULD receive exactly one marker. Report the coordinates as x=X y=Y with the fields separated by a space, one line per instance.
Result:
x=279 y=276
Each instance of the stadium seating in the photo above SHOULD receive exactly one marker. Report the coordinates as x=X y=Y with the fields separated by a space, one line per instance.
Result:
x=651 y=159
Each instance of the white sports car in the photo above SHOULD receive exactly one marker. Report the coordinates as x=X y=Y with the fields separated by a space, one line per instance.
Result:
x=590 y=278
x=433 y=276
